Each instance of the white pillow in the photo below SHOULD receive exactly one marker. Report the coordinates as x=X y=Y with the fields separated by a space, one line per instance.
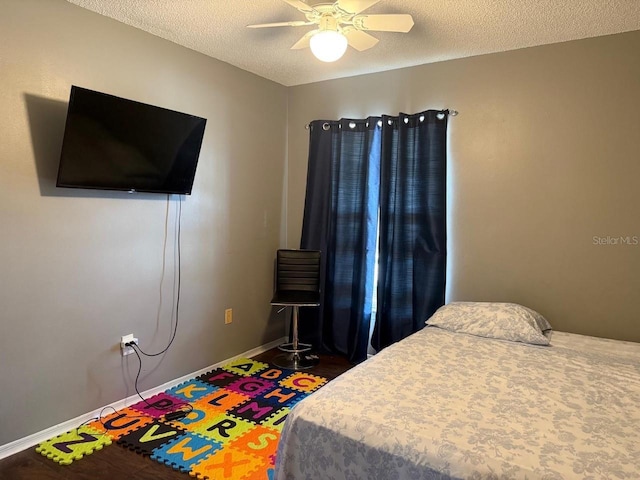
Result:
x=505 y=321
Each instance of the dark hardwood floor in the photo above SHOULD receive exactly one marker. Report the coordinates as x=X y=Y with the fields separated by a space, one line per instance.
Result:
x=115 y=462
x=330 y=366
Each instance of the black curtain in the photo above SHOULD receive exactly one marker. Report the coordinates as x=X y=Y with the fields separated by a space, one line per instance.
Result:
x=413 y=238
x=340 y=219
x=387 y=173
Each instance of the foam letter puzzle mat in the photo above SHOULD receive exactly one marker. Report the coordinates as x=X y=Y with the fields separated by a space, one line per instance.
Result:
x=232 y=430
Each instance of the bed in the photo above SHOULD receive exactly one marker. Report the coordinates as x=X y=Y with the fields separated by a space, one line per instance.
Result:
x=447 y=404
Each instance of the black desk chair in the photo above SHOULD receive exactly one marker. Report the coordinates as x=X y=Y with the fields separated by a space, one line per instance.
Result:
x=297 y=285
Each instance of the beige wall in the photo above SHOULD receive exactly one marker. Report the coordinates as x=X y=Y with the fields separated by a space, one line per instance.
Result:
x=79 y=269
x=544 y=155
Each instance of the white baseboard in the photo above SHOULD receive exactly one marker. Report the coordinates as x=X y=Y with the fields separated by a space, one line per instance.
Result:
x=34 y=439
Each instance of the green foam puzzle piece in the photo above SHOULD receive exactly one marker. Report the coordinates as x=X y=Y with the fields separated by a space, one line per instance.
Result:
x=73 y=445
x=245 y=366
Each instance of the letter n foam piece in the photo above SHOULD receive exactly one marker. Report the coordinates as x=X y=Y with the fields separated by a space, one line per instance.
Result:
x=73 y=445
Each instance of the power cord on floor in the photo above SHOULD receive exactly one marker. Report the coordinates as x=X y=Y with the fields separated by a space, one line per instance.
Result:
x=100 y=417
x=178 y=411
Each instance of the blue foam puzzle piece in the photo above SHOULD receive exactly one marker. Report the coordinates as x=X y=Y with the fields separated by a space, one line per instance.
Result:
x=184 y=452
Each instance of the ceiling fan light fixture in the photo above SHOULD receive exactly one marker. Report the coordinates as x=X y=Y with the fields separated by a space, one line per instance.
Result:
x=328 y=45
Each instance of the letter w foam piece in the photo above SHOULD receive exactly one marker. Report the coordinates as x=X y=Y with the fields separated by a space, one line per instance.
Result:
x=184 y=452
x=73 y=445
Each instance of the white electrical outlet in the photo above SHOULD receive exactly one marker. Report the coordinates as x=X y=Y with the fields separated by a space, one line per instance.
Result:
x=228 y=316
x=124 y=349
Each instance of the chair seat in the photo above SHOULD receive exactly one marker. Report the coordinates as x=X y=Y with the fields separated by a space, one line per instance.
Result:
x=298 y=298
x=297 y=284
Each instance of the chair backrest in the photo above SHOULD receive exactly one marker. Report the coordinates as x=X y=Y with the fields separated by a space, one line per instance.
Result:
x=298 y=270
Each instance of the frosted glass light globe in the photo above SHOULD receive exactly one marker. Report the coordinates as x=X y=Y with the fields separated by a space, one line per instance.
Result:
x=328 y=46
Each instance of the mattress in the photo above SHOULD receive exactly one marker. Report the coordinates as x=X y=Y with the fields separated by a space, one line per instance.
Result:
x=442 y=405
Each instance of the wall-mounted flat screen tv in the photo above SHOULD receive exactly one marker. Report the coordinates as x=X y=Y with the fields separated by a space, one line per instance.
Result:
x=111 y=143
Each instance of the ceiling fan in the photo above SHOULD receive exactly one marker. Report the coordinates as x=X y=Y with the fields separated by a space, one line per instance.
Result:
x=340 y=24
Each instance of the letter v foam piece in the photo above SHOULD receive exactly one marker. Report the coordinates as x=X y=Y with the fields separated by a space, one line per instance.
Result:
x=146 y=439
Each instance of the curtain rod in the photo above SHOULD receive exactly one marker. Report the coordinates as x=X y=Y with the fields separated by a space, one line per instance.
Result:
x=452 y=113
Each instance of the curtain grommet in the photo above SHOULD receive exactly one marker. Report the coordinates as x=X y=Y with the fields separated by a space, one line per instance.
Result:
x=326 y=126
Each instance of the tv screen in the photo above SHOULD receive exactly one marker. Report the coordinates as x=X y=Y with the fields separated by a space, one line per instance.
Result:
x=111 y=143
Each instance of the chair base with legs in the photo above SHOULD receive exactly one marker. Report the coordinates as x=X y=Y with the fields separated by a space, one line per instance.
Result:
x=297 y=285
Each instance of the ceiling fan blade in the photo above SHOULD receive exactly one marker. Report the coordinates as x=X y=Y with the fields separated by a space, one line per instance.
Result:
x=384 y=23
x=355 y=6
x=360 y=40
x=304 y=41
x=300 y=5
x=299 y=23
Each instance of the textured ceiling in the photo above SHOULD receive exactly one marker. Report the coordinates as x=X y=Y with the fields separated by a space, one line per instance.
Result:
x=444 y=29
